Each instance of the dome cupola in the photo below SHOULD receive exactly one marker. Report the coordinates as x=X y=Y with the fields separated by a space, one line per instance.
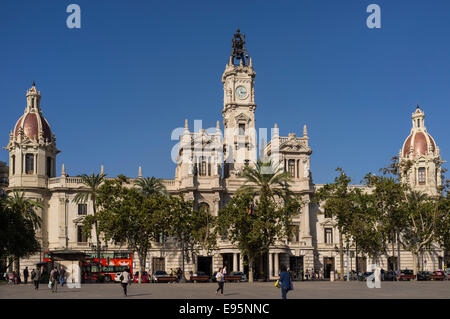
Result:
x=32 y=123
x=419 y=142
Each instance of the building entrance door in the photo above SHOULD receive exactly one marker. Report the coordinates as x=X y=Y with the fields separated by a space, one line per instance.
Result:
x=205 y=265
x=296 y=267
x=392 y=263
x=361 y=264
x=328 y=263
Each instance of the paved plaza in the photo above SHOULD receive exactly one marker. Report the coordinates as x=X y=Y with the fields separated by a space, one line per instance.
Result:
x=259 y=290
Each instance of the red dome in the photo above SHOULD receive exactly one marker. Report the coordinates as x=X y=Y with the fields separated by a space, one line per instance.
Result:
x=420 y=142
x=32 y=123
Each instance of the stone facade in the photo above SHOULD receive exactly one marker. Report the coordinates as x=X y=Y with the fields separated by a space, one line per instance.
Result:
x=207 y=172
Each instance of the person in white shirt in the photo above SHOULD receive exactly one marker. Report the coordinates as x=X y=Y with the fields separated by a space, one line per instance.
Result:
x=124 y=280
x=220 y=280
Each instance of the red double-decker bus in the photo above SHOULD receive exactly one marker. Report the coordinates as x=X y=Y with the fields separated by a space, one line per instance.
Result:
x=110 y=265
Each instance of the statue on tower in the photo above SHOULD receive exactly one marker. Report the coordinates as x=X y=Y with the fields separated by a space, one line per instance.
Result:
x=238 y=47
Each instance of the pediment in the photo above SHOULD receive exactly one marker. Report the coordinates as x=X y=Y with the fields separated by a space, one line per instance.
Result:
x=242 y=118
x=328 y=222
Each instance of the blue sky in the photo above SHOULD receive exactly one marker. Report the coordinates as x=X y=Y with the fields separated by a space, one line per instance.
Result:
x=114 y=90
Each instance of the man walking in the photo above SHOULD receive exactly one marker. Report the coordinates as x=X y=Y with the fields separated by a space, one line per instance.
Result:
x=285 y=281
x=54 y=279
x=62 y=276
x=36 y=278
x=25 y=275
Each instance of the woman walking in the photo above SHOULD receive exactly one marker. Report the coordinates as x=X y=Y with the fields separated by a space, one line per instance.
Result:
x=124 y=280
x=220 y=280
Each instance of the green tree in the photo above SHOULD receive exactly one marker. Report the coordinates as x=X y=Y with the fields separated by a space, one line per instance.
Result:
x=151 y=185
x=190 y=227
x=267 y=195
x=338 y=200
x=388 y=195
x=422 y=213
x=130 y=216
x=92 y=184
x=18 y=225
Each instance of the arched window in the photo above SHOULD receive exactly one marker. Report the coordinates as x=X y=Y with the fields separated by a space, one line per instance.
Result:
x=13 y=164
x=421 y=175
x=29 y=164
x=291 y=168
x=203 y=170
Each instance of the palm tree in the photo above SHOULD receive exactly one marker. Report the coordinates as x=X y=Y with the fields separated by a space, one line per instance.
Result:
x=92 y=183
x=151 y=185
x=268 y=182
x=18 y=203
x=266 y=179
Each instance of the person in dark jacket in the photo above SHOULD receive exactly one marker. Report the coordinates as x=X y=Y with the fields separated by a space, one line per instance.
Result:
x=36 y=278
x=25 y=275
x=285 y=281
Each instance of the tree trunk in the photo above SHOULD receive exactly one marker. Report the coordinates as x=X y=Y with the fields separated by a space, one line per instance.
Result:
x=142 y=259
x=341 y=255
x=416 y=261
x=398 y=251
x=183 y=277
x=250 y=269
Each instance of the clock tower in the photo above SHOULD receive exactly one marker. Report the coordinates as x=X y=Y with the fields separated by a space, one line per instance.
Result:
x=238 y=109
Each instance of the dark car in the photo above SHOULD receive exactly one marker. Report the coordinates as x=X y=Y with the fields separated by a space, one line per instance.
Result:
x=424 y=275
x=200 y=276
x=240 y=273
x=406 y=275
x=162 y=276
x=144 y=278
x=390 y=275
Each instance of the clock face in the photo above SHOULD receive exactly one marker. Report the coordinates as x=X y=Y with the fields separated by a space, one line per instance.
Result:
x=241 y=92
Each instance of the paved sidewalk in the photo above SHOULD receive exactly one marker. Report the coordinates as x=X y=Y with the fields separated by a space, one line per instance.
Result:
x=259 y=290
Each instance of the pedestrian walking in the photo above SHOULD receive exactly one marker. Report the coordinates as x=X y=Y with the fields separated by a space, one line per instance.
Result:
x=36 y=278
x=25 y=275
x=285 y=281
x=179 y=273
x=224 y=270
x=54 y=275
x=16 y=277
x=62 y=276
x=220 y=280
x=124 y=281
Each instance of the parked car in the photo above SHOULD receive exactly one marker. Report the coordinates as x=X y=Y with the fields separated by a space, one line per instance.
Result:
x=117 y=277
x=145 y=278
x=438 y=275
x=367 y=274
x=200 y=276
x=406 y=275
x=424 y=275
x=240 y=273
x=162 y=276
x=389 y=275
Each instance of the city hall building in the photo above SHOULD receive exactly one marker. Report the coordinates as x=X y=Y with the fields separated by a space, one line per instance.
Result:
x=208 y=172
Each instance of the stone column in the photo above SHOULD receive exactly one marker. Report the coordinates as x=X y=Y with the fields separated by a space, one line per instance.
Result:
x=270 y=265
x=235 y=262
x=276 y=268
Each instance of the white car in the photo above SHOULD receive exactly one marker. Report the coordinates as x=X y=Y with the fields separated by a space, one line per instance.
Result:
x=117 y=277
